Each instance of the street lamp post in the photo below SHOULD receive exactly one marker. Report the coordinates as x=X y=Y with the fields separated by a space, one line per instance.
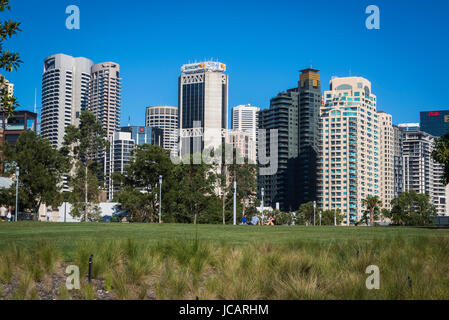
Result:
x=160 y=199
x=314 y=213
x=262 y=204
x=235 y=203
x=17 y=191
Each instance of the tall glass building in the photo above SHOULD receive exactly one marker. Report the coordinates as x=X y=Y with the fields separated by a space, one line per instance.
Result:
x=435 y=123
x=203 y=106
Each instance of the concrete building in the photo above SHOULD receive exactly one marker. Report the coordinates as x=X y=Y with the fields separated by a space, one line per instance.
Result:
x=398 y=163
x=203 y=106
x=245 y=118
x=282 y=115
x=166 y=118
x=116 y=159
x=349 y=164
x=387 y=158
x=7 y=87
x=65 y=92
x=419 y=171
x=105 y=95
x=244 y=144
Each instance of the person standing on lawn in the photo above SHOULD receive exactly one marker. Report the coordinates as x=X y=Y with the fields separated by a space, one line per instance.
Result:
x=3 y=212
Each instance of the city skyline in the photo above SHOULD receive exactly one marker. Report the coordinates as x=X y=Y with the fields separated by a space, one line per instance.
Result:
x=257 y=74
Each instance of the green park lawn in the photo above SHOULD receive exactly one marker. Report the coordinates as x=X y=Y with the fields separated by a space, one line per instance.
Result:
x=66 y=236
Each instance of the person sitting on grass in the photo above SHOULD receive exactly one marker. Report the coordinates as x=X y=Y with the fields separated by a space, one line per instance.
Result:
x=270 y=221
x=255 y=221
x=244 y=220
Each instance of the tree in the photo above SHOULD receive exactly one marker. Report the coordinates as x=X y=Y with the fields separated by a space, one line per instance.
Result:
x=412 y=209
x=327 y=217
x=77 y=183
x=9 y=61
x=140 y=183
x=85 y=143
x=304 y=215
x=193 y=191
x=441 y=154
x=372 y=209
x=245 y=174
x=41 y=170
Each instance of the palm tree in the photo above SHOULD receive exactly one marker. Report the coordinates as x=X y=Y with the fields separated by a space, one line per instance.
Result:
x=372 y=205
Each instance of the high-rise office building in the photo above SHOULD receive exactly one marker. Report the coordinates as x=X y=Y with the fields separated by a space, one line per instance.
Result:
x=203 y=106
x=145 y=135
x=105 y=95
x=349 y=164
x=65 y=92
x=309 y=95
x=245 y=118
x=386 y=158
x=282 y=116
x=166 y=118
x=435 y=123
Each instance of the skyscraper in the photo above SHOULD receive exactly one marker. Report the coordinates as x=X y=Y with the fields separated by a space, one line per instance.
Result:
x=282 y=116
x=105 y=95
x=349 y=164
x=65 y=92
x=386 y=158
x=309 y=95
x=245 y=118
x=166 y=118
x=203 y=106
x=435 y=123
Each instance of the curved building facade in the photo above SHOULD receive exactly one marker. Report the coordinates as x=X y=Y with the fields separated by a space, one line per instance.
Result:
x=65 y=92
x=165 y=118
x=105 y=95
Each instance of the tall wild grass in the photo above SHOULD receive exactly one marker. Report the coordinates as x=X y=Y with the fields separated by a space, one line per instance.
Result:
x=192 y=269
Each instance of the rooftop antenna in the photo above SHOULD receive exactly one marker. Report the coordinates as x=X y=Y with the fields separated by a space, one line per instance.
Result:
x=311 y=67
x=129 y=121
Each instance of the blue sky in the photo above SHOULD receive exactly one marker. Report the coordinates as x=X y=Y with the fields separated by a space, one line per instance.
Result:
x=264 y=44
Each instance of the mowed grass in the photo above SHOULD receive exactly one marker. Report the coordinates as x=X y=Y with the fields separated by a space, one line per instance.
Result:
x=142 y=261
x=67 y=236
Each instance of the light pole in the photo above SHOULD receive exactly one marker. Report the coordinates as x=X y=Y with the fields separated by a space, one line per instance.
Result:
x=160 y=199
x=335 y=218
x=262 y=204
x=314 y=213
x=235 y=203
x=17 y=191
